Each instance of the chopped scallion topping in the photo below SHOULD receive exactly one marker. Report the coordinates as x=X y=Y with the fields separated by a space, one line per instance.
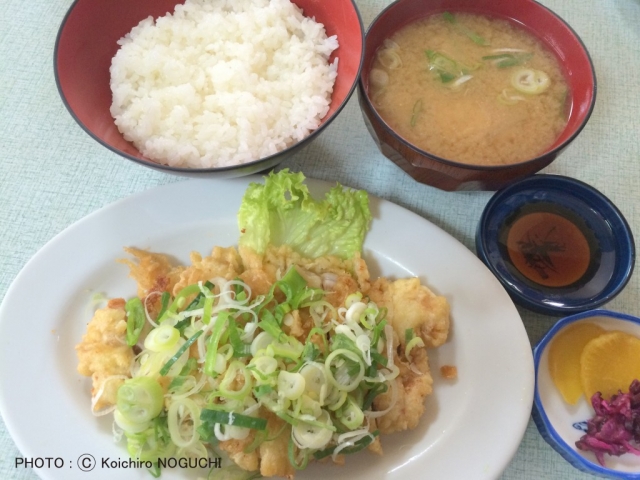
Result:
x=533 y=82
x=417 y=108
x=211 y=416
x=474 y=37
x=167 y=366
x=505 y=60
x=135 y=320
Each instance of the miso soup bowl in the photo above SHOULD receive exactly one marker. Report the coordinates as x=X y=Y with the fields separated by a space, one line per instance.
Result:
x=87 y=41
x=450 y=175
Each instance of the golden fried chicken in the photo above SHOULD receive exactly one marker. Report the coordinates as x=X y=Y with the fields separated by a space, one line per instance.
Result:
x=319 y=272
x=154 y=272
x=151 y=271
x=235 y=449
x=104 y=355
x=274 y=459
x=412 y=305
x=270 y=457
x=223 y=262
x=411 y=389
x=103 y=352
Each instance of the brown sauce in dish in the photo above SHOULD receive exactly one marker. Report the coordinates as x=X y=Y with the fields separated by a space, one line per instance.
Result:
x=549 y=247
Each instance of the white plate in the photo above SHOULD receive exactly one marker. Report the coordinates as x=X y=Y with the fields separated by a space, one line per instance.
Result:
x=472 y=427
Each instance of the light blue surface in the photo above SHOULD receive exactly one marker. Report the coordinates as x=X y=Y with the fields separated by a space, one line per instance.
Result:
x=53 y=173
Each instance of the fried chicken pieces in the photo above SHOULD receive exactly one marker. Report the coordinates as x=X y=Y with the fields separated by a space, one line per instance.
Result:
x=103 y=352
x=410 y=305
x=104 y=355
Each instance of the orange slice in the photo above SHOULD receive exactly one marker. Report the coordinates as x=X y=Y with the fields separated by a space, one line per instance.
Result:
x=610 y=363
x=564 y=358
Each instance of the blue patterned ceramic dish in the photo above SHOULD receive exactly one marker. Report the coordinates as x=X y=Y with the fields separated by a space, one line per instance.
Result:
x=601 y=229
x=561 y=424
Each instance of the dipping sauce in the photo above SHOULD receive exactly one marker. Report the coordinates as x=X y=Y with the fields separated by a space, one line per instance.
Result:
x=470 y=88
x=550 y=246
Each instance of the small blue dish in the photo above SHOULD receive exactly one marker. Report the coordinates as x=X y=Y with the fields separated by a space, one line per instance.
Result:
x=556 y=244
x=561 y=424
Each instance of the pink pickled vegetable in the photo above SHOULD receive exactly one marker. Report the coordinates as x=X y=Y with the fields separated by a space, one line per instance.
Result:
x=615 y=428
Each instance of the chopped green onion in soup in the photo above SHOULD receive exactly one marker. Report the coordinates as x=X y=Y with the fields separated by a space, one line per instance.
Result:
x=533 y=82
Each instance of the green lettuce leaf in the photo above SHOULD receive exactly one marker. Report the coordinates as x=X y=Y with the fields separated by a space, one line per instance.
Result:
x=282 y=212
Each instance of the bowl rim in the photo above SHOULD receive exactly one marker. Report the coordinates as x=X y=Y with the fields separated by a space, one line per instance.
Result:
x=268 y=161
x=541 y=419
x=469 y=166
x=542 y=182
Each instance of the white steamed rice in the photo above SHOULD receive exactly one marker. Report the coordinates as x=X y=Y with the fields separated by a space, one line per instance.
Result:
x=222 y=82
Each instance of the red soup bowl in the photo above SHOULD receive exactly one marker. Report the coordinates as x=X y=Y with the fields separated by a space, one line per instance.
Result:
x=449 y=175
x=87 y=42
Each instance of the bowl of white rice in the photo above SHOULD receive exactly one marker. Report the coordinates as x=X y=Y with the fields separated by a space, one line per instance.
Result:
x=213 y=87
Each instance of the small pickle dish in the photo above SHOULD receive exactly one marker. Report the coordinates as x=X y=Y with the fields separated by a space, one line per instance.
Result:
x=595 y=435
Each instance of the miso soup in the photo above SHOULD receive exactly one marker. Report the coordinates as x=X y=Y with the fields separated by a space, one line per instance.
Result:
x=470 y=88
